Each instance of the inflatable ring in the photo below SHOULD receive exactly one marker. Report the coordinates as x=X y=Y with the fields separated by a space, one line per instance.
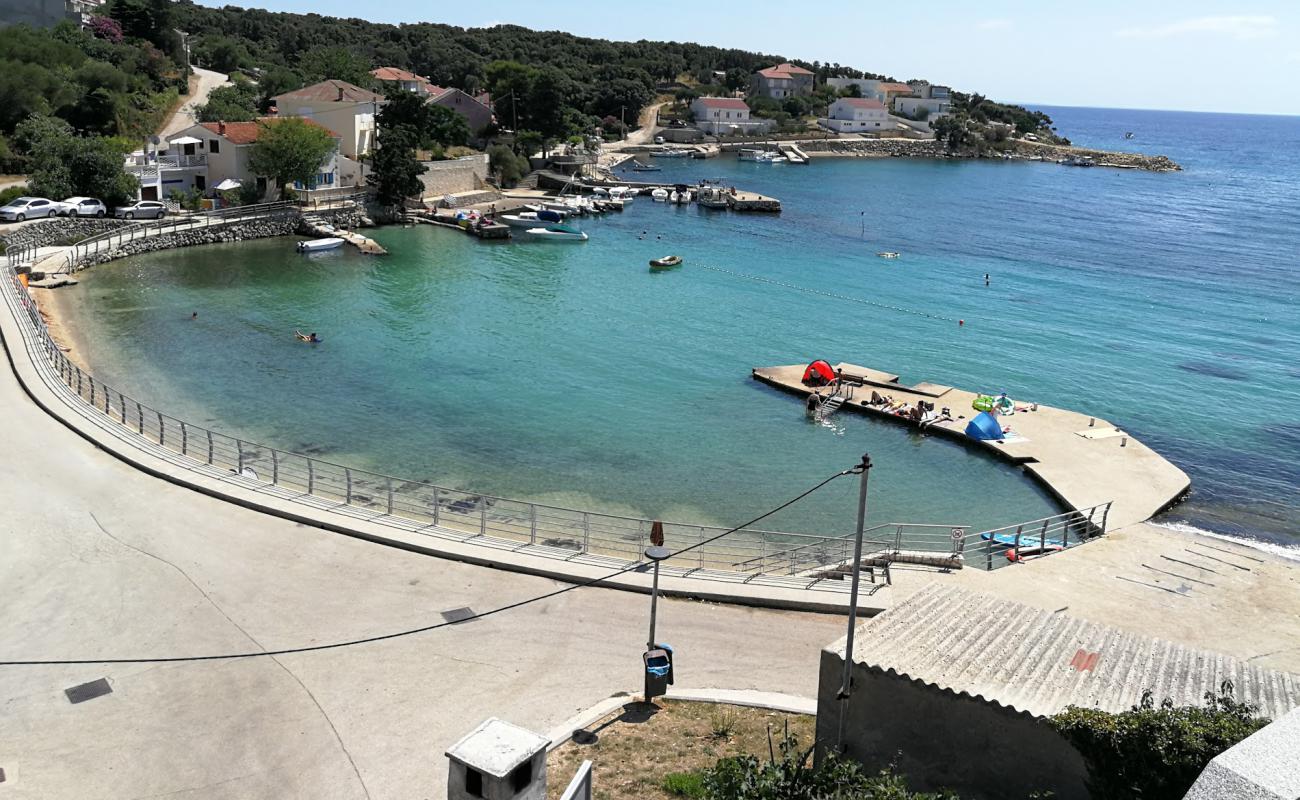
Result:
x=982 y=403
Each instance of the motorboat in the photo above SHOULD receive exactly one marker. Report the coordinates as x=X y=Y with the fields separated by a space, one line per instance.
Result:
x=673 y=153
x=531 y=219
x=712 y=197
x=680 y=196
x=667 y=262
x=557 y=233
x=761 y=156
x=622 y=193
x=639 y=167
x=538 y=208
x=317 y=245
x=659 y=195
x=888 y=254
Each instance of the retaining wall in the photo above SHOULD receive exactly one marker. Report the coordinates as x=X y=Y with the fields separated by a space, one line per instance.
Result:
x=456 y=175
x=50 y=231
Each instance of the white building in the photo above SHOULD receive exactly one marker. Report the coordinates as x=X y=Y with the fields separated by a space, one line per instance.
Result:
x=408 y=81
x=884 y=91
x=857 y=115
x=339 y=106
x=725 y=115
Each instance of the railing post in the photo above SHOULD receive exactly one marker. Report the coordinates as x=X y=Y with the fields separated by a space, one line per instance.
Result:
x=275 y=467
x=92 y=390
x=436 y=504
x=209 y=446
x=311 y=476
x=162 y=430
x=1105 y=514
x=78 y=381
x=1019 y=530
x=700 y=541
x=532 y=523
x=586 y=532
x=1042 y=536
x=107 y=394
x=185 y=439
x=389 y=481
x=239 y=452
x=347 y=473
x=482 y=516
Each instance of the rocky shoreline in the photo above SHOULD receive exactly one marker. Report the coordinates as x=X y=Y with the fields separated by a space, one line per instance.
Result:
x=1019 y=149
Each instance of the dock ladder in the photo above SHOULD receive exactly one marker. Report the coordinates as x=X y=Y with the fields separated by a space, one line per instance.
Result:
x=830 y=404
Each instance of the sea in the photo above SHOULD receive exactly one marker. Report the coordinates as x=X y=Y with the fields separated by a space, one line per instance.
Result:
x=570 y=374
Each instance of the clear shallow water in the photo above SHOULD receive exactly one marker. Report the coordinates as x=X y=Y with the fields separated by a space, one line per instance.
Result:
x=570 y=374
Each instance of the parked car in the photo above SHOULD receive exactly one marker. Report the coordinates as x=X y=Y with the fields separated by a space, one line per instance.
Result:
x=142 y=209
x=82 y=207
x=21 y=208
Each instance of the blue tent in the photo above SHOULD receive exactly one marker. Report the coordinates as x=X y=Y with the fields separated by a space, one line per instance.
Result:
x=985 y=426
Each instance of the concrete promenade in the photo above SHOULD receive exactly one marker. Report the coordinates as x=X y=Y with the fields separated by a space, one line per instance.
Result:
x=1084 y=461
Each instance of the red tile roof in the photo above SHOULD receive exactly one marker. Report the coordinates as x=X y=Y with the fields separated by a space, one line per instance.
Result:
x=894 y=87
x=862 y=102
x=786 y=70
x=247 y=132
x=724 y=102
x=396 y=74
x=331 y=91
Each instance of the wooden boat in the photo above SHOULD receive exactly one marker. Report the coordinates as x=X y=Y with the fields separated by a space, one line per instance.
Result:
x=667 y=262
x=316 y=245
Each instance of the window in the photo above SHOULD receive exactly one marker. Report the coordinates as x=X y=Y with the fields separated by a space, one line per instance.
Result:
x=214 y=146
x=473 y=782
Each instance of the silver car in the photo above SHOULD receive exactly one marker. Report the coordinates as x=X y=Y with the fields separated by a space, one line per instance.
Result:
x=21 y=208
x=82 y=207
x=142 y=209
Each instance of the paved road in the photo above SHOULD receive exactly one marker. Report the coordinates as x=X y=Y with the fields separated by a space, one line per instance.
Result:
x=97 y=559
x=185 y=115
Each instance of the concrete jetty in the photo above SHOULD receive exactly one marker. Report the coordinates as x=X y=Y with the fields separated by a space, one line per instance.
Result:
x=1082 y=460
x=363 y=243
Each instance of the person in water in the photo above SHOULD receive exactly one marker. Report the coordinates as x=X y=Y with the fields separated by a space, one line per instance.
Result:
x=195 y=315
x=307 y=337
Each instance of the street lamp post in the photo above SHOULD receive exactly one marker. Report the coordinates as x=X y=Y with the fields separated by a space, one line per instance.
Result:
x=846 y=685
x=655 y=554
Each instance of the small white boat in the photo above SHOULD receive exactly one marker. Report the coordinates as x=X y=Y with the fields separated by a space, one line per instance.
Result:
x=659 y=195
x=557 y=233
x=316 y=245
x=888 y=254
x=761 y=156
x=673 y=153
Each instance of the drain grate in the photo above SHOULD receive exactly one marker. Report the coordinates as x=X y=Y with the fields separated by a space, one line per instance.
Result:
x=88 y=691
x=458 y=614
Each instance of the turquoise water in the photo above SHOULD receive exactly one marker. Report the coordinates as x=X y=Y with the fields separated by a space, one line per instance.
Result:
x=570 y=374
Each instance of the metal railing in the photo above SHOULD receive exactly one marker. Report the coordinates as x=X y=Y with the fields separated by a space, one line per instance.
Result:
x=138 y=163
x=579 y=787
x=109 y=241
x=1000 y=547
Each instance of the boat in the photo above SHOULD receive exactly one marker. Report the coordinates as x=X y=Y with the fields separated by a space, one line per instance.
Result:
x=667 y=262
x=531 y=219
x=557 y=233
x=1128 y=135
x=316 y=245
x=639 y=167
x=888 y=254
x=659 y=195
x=622 y=193
x=673 y=153
x=538 y=208
x=712 y=197
x=761 y=156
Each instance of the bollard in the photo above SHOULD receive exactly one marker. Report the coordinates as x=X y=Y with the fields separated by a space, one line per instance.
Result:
x=1123 y=442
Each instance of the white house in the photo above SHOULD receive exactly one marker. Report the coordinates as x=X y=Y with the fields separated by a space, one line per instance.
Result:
x=223 y=149
x=725 y=115
x=857 y=115
x=339 y=106
x=407 y=80
x=935 y=100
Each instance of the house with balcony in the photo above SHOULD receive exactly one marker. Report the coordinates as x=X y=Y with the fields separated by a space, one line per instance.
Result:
x=178 y=165
x=723 y=116
x=405 y=80
x=338 y=106
x=781 y=81
x=857 y=115
x=926 y=98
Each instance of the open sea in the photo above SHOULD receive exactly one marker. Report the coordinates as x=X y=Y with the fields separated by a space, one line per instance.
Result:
x=568 y=373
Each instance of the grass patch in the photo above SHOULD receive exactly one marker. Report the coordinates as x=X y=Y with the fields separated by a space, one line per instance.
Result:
x=645 y=754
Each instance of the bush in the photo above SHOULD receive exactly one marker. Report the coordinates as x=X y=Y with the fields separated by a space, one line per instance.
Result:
x=684 y=784
x=1155 y=753
x=8 y=194
x=791 y=777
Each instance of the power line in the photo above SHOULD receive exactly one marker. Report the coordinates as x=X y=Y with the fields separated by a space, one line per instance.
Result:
x=425 y=628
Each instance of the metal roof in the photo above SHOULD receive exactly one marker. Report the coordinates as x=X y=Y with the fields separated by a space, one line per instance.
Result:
x=1040 y=662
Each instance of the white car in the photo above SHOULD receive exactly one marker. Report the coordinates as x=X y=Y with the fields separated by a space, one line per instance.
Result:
x=142 y=209
x=82 y=207
x=21 y=208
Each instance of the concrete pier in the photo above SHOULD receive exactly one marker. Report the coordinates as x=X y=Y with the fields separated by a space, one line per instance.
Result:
x=1082 y=460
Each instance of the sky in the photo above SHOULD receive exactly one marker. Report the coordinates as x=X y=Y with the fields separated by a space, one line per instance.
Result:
x=1194 y=55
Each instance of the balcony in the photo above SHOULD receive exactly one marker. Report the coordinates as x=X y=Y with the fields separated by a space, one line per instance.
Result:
x=150 y=164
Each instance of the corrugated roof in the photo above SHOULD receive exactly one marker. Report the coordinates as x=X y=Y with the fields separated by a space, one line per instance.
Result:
x=1040 y=662
x=331 y=91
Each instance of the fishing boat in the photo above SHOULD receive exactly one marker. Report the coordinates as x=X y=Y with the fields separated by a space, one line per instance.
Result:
x=667 y=262
x=557 y=233
x=1128 y=135
x=317 y=245
x=888 y=254
x=659 y=195
x=712 y=197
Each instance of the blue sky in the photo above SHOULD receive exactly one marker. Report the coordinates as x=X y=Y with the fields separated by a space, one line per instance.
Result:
x=1191 y=54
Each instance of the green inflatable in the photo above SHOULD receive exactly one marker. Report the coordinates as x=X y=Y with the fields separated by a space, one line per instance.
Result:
x=982 y=403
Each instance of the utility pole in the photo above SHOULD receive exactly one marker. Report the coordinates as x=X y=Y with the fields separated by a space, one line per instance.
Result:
x=622 y=120
x=846 y=685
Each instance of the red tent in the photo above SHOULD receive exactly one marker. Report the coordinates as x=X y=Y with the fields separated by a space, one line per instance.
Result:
x=819 y=373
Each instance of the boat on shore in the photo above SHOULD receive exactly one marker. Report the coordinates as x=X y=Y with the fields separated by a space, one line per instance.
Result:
x=667 y=262
x=317 y=245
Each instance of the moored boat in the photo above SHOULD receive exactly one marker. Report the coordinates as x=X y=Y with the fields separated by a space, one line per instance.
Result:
x=673 y=153
x=557 y=233
x=888 y=254
x=667 y=262
x=712 y=197
x=659 y=195
x=639 y=167
x=317 y=245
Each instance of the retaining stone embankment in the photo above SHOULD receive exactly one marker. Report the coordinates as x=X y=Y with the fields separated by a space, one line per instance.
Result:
x=283 y=223
x=60 y=230
x=911 y=148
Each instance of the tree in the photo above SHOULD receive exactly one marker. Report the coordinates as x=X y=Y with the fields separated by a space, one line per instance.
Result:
x=276 y=81
x=237 y=103
x=736 y=79
x=63 y=165
x=446 y=127
x=395 y=173
x=290 y=149
x=222 y=53
x=507 y=166
x=1151 y=752
x=335 y=63
x=150 y=20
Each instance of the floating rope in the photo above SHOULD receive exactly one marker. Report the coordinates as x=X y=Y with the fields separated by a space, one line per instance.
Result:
x=824 y=293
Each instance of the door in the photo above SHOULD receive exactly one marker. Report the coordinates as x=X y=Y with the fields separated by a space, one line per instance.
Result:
x=148 y=192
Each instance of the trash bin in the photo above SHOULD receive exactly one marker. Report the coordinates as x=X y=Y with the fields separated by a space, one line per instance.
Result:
x=658 y=671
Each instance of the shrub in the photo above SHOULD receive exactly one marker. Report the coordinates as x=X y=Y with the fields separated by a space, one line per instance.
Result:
x=684 y=784
x=1155 y=753
x=11 y=192
x=723 y=722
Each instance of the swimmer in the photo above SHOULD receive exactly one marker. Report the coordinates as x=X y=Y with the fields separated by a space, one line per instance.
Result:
x=307 y=337
x=195 y=315
x=961 y=323
x=986 y=279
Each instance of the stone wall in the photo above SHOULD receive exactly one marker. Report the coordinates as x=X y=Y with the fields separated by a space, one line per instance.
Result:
x=58 y=230
x=466 y=174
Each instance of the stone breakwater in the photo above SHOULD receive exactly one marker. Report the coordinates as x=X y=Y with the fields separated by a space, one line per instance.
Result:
x=930 y=148
x=281 y=223
x=60 y=231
